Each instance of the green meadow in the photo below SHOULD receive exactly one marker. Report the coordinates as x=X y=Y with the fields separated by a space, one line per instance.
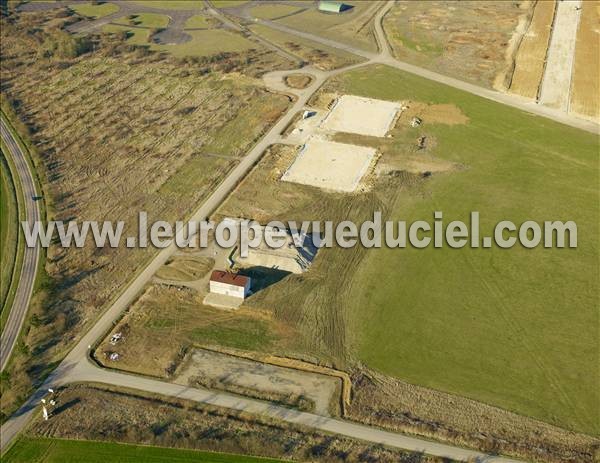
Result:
x=516 y=328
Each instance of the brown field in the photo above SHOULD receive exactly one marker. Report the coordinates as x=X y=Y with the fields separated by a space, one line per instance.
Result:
x=585 y=92
x=299 y=81
x=469 y=40
x=531 y=56
x=115 y=132
x=105 y=414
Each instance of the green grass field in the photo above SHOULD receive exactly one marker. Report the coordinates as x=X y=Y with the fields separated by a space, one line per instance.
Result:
x=149 y=20
x=94 y=11
x=196 y=22
x=9 y=229
x=40 y=450
x=273 y=11
x=515 y=328
x=203 y=43
x=173 y=4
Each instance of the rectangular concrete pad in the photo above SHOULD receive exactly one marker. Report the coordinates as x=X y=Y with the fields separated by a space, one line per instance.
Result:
x=365 y=116
x=330 y=165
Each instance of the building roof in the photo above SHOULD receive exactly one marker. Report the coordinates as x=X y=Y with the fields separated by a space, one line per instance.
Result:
x=229 y=278
x=330 y=6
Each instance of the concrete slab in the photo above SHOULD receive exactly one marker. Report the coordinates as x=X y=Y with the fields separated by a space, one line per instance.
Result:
x=365 y=116
x=330 y=165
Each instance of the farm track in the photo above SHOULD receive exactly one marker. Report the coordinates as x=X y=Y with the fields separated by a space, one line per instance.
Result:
x=77 y=367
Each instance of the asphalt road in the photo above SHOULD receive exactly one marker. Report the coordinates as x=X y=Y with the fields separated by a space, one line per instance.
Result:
x=31 y=256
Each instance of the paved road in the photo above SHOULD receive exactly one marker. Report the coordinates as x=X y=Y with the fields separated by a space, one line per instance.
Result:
x=31 y=256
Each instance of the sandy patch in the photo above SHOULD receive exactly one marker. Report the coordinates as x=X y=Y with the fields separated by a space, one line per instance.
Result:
x=365 y=116
x=330 y=165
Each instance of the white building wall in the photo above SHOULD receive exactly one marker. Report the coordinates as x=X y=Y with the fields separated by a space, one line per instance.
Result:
x=228 y=290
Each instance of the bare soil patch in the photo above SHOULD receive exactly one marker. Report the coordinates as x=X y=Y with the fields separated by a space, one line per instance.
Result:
x=464 y=39
x=304 y=390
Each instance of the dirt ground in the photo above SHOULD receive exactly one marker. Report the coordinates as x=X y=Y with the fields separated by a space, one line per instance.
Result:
x=184 y=268
x=531 y=55
x=585 y=92
x=469 y=40
x=205 y=367
x=97 y=413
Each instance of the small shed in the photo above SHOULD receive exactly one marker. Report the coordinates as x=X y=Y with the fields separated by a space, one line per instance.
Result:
x=229 y=284
x=333 y=7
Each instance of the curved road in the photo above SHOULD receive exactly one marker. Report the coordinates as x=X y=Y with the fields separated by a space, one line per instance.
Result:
x=31 y=256
x=76 y=367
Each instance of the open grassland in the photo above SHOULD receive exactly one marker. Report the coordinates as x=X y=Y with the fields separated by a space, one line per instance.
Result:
x=531 y=56
x=585 y=89
x=173 y=4
x=149 y=20
x=321 y=56
x=43 y=450
x=114 y=136
x=9 y=230
x=460 y=321
x=94 y=11
x=101 y=414
x=197 y=21
x=203 y=42
x=353 y=27
x=470 y=40
x=208 y=42
x=516 y=328
x=274 y=11
x=165 y=322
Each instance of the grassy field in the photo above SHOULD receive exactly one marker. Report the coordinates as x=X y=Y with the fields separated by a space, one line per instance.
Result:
x=197 y=21
x=94 y=11
x=149 y=20
x=173 y=4
x=41 y=450
x=9 y=229
x=515 y=328
x=321 y=56
x=203 y=43
x=208 y=42
x=166 y=321
x=352 y=27
x=273 y=11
